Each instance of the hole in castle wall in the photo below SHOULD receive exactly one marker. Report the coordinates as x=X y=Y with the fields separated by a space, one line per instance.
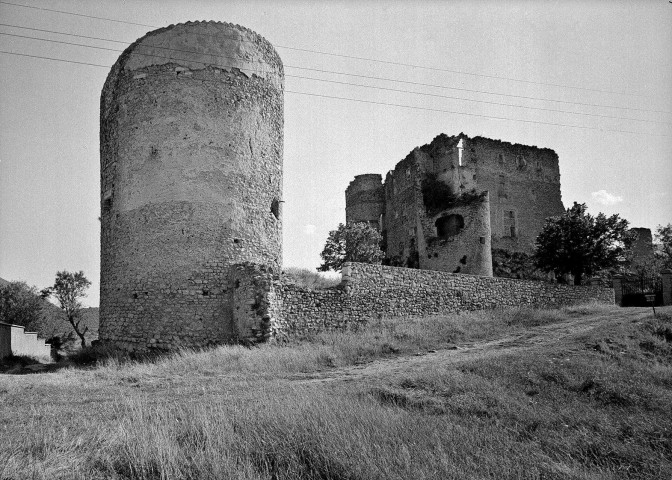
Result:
x=463 y=260
x=275 y=208
x=449 y=226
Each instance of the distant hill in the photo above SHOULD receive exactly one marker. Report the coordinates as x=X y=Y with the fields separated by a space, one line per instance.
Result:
x=52 y=322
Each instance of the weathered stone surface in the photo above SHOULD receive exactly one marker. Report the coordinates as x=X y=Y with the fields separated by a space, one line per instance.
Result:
x=191 y=181
x=523 y=183
x=373 y=291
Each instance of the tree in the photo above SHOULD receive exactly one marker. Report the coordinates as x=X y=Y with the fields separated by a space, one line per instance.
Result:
x=664 y=248
x=519 y=265
x=20 y=304
x=68 y=289
x=580 y=244
x=354 y=242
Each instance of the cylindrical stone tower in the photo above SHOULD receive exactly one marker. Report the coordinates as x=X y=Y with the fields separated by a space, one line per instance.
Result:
x=365 y=199
x=460 y=239
x=191 y=141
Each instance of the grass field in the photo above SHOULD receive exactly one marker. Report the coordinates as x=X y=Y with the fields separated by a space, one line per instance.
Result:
x=576 y=393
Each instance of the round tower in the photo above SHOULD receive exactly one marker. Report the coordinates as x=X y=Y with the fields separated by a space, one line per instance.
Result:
x=459 y=239
x=365 y=199
x=191 y=140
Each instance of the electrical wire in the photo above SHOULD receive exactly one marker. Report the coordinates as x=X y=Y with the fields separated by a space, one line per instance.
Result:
x=354 y=57
x=338 y=82
x=455 y=112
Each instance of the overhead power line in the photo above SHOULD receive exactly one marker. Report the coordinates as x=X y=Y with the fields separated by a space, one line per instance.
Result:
x=455 y=112
x=55 y=59
x=492 y=117
x=77 y=14
x=348 y=74
x=354 y=57
x=486 y=101
x=407 y=82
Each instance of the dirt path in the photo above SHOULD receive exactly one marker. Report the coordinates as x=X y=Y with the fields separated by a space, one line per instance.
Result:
x=532 y=338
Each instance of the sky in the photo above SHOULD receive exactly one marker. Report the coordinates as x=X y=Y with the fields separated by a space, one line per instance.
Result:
x=590 y=80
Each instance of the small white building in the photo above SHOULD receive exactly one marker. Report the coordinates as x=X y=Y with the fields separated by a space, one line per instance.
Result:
x=14 y=340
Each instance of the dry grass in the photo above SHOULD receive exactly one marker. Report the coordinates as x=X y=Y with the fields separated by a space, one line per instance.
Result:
x=594 y=406
x=309 y=279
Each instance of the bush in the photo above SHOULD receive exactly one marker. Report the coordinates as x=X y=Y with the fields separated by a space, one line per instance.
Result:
x=20 y=304
x=310 y=280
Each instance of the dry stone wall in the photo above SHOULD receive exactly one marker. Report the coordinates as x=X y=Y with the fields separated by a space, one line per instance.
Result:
x=373 y=291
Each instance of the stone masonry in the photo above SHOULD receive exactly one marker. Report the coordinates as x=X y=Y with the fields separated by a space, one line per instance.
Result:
x=523 y=185
x=273 y=307
x=191 y=141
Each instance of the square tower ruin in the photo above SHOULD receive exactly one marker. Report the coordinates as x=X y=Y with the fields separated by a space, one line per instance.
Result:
x=450 y=202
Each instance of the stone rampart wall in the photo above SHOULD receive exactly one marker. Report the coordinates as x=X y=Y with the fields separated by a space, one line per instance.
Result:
x=371 y=291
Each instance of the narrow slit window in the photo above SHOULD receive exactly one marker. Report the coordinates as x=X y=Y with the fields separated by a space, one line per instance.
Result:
x=510 y=229
x=460 y=147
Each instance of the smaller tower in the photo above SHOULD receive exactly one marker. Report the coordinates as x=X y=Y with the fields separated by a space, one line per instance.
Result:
x=642 y=248
x=365 y=199
x=458 y=239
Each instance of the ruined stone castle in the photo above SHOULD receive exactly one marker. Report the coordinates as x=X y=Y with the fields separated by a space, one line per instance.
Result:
x=191 y=139
x=449 y=203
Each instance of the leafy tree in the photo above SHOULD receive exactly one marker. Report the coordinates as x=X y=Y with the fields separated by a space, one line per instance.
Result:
x=68 y=289
x=664 y=251
x=20 y=304
x=519 y=265
x=580 y=244
x=354 y=242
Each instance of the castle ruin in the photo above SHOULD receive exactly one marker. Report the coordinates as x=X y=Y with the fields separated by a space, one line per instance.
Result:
x=191 y=139
x=449 y=203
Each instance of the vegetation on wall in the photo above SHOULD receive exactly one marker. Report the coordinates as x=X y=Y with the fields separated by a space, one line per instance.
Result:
x=438 y=196
x=309 y=279
x=579 y=244
x=354 y=242
x=519 y=265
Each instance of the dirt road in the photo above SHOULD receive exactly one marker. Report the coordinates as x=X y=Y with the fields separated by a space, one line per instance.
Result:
x=551 y=335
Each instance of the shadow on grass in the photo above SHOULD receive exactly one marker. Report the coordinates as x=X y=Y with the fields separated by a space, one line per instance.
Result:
x=83 y=359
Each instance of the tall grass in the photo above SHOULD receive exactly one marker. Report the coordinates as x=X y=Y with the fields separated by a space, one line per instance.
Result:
x=309 y=279
x=592 y=406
